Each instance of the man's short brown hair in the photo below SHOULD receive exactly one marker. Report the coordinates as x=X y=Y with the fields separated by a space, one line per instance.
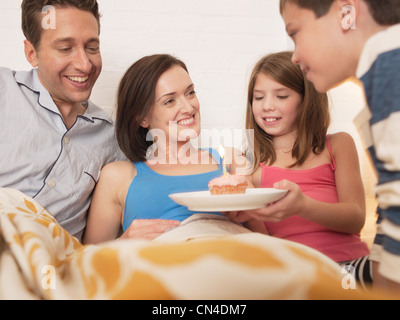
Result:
x=32 y=9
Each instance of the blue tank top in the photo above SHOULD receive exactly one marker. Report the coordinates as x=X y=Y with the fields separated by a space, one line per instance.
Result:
x=147 y=196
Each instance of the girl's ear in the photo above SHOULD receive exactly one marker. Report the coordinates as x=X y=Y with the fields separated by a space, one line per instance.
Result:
x=30 y=53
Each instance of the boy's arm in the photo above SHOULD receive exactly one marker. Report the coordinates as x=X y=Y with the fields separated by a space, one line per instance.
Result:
x=382 y=87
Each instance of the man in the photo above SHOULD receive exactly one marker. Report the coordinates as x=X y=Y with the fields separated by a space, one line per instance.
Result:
x=54 y=141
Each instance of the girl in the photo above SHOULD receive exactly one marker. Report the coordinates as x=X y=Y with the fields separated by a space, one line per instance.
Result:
x=158 y=113
x=325 y=205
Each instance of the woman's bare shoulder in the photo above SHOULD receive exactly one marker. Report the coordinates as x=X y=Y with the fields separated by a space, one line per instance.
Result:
x=118 y=170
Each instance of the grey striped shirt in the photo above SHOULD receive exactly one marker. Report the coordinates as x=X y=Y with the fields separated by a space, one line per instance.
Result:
x=39 y=156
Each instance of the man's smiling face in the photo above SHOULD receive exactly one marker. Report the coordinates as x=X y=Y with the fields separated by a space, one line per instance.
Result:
x=68 y=57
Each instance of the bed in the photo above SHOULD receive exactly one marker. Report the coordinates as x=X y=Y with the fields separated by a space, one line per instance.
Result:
x=41 y=260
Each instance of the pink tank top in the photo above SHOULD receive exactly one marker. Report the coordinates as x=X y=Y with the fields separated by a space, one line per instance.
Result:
x=317 y=183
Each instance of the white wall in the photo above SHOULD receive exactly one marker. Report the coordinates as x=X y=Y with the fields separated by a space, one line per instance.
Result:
x=219 y=40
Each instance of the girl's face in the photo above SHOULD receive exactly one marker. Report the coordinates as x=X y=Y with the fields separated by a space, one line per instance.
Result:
x=275 y=107
x=176 y=110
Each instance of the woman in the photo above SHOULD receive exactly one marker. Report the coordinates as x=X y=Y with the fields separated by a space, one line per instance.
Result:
x=158 y=114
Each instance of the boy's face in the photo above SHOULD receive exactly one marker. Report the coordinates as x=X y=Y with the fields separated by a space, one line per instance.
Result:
x=68 y=58
x=321 y=49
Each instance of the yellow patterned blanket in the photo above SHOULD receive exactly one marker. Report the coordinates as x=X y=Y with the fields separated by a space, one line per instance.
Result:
x=40 y=260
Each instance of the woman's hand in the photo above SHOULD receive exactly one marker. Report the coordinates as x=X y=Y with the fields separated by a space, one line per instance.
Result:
x=148 y=229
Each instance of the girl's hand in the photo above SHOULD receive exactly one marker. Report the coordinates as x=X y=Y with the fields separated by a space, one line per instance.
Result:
x=148 y=228
x=241 y=217
x=293 y=203
x=238 y=216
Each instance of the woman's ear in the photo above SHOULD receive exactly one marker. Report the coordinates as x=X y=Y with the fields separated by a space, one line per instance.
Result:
x=30 y=53
x=144 y=123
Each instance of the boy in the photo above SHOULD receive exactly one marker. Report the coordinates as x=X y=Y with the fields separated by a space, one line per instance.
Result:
x=54 y=142
x=339 y=39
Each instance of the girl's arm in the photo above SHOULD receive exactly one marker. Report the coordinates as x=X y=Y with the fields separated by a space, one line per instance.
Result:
x=348 y=215
x=349 y=184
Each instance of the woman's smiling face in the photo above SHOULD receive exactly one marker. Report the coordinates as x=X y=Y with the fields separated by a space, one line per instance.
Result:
x=176 y=109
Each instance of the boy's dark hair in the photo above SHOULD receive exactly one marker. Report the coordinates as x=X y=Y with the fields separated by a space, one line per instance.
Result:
x=384 y=12
x=320 y=8
x=32 y=9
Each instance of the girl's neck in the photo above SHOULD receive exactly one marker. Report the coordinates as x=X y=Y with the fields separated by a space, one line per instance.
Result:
x=285 y=143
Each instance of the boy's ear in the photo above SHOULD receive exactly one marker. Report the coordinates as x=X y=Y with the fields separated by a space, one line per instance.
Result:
x=348 y=11
x=30 y=53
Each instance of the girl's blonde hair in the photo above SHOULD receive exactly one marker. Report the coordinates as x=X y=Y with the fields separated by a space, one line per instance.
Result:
x=313 y=116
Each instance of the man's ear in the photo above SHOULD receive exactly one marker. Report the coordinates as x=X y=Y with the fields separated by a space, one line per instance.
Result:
x=30 y=53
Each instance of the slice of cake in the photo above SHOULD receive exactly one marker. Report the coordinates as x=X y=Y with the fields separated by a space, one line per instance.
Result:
x=228 y=184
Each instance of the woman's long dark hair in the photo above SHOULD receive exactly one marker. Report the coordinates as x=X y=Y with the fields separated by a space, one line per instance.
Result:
x=135 y=97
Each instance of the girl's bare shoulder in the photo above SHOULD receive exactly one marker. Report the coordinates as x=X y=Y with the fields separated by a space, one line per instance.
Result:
x=342 y=144
x=341 y=139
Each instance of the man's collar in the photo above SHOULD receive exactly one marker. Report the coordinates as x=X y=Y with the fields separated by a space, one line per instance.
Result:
x=30 y=79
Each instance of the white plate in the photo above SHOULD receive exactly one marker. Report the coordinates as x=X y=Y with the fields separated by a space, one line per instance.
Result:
x=254 y=198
